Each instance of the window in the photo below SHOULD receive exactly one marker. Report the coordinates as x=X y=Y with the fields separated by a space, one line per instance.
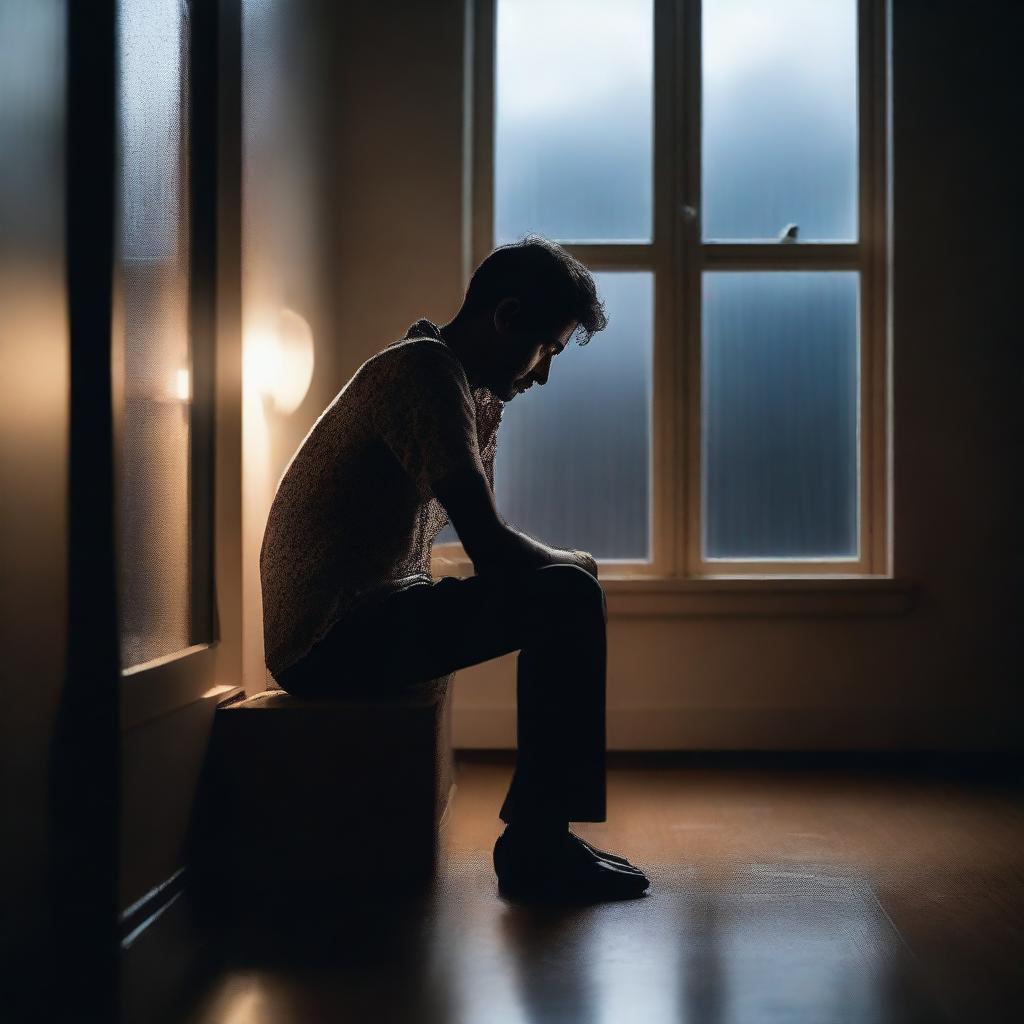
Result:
x=163 y=341
x=588 y=434
x=720 y=165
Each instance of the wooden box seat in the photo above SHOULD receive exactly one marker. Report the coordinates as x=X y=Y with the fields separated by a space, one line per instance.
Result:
x=301 y=793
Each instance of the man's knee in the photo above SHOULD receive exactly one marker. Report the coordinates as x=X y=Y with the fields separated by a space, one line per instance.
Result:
x=571 y=587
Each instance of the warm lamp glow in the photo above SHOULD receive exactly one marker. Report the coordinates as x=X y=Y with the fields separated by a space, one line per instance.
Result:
x=183 y=385
x=279 y=363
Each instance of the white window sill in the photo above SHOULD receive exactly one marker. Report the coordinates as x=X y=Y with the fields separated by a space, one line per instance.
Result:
x=754 y=596
x=169 y=684
x=635 y=596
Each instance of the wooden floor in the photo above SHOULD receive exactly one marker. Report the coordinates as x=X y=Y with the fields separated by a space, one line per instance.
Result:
x=778 y=895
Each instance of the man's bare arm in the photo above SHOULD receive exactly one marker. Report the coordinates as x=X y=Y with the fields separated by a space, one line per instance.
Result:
x=492 y=545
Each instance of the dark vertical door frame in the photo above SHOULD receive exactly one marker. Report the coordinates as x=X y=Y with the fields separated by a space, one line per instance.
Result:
x=86 y=752
x=85 y=759
x=203 y=240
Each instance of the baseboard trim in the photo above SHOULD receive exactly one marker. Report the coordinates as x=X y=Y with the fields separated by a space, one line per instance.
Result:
x=146 y=910
x=162 y=953
x=751 y=729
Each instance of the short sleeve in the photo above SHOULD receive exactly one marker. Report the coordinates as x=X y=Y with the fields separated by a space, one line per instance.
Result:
x=425 y=414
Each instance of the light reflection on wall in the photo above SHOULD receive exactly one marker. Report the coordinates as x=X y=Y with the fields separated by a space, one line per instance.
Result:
x=281 y=219
x=277 y=368
x=257 y=493
x=278 y=363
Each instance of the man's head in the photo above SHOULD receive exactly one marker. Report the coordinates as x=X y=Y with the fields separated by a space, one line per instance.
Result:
x=523 y=305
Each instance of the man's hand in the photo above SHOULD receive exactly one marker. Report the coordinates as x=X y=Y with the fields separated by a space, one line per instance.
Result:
x=535 y=554
x=586 y=561
x=516 y=552
x=493 y=546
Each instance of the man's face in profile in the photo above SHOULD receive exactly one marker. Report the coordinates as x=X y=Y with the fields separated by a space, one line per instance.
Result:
x=525 y=357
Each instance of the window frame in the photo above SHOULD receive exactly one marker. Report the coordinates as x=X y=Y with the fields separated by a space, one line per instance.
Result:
x=678 y=256
x=210 y=668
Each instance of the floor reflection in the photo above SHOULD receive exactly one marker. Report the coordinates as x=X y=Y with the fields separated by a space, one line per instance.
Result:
x=550 y=954
x=778 y=917
x=702 y=978
x=765 y=944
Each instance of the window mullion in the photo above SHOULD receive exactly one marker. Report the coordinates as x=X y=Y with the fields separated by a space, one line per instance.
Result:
x=666 y=452
x=781 y=256
x=687 y=272
x=614 y=255
x=875 y=235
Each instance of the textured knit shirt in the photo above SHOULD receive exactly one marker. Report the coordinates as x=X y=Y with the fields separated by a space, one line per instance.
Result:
x=355 y=515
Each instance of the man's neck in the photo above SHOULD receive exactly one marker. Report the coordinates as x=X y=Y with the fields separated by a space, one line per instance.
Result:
x=460 y=341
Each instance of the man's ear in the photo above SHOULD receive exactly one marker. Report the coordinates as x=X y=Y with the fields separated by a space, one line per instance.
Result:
x=505 y=314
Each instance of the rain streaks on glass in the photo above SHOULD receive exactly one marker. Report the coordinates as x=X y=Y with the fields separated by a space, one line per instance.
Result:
x=572 y=466
x=573 y=120
x=779 y=86
x=780 y=394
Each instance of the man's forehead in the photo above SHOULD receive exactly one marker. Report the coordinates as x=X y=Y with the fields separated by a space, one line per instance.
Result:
x=567 y=332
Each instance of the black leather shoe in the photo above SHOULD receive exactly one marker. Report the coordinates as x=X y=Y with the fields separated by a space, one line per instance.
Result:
x=563 y=870
x=602 y=854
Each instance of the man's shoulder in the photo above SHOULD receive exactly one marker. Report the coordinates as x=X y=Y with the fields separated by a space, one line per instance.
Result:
x=419 y=348
x=420 y=356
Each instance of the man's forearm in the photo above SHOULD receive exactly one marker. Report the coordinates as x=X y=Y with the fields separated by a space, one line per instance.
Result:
x=516 y=551
x=493 y=545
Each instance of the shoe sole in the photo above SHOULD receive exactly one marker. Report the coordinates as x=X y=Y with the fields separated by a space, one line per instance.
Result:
x=551 y=893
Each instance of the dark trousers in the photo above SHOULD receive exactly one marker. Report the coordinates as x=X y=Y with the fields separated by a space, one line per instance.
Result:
x=555 y=617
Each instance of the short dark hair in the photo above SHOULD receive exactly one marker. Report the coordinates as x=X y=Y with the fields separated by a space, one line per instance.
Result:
x=553 y=286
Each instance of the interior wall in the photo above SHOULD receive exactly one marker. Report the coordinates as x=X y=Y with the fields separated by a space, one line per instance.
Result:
x=285 y=263
x=34 y=376
x=941 y=675
x=352 y=165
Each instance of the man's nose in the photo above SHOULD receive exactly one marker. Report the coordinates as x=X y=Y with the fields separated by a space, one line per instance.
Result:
x=541 y=370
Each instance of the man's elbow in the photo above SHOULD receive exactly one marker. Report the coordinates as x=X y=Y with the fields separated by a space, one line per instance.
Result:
x=491 y=552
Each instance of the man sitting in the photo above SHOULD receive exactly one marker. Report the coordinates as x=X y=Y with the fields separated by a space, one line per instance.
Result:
x=407 y=444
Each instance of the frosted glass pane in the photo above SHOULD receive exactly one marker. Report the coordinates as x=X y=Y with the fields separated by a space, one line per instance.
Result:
x=154 y=278
x=780 y=398
x=780 y=118
x=572 y=464
x=573 y=114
